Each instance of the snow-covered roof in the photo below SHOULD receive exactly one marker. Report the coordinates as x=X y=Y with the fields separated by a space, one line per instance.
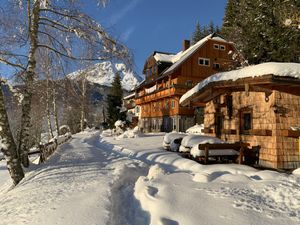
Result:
x=277 y=69
x=163 y=57
x=183 y=55
x=129 y=96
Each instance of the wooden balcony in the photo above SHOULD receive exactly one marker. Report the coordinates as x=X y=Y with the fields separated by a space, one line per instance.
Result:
x=175 y=89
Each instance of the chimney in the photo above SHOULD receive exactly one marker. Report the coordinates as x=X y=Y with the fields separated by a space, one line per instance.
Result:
x=185 y=44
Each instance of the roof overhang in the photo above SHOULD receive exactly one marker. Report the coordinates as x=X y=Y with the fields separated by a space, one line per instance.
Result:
x=266 y=83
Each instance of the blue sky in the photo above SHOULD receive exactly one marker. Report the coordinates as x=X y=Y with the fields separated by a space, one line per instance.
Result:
x=148 y=25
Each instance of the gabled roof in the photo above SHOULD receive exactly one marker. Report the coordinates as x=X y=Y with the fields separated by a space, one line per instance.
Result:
x=272 y=75
x=180 y=57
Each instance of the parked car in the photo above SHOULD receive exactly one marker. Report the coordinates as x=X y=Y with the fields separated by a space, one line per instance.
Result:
x=171 y=137
x=191 y=140
x=175 y=144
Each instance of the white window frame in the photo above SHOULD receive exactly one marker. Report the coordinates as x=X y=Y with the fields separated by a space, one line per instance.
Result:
x=222 y=47
x=216 y=46
x=204 y=60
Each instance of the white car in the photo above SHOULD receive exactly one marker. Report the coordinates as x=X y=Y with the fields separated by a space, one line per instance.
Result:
x=191 y=140
x=170 y=138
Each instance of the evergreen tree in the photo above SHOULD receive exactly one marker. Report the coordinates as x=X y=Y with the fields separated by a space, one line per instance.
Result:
x=197 y=35
x=114 y=102
x=211 y=27
x=257 y=28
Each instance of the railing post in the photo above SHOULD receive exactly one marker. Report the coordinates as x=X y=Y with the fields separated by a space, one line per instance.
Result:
x=206 y=151
x=241 y=156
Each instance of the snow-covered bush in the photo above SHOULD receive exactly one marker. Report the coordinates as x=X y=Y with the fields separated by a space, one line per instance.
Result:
x=130 y=133
x=107 y=133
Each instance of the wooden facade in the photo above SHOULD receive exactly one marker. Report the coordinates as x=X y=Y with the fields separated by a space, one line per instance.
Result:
x=260 y=111
x=169 y=76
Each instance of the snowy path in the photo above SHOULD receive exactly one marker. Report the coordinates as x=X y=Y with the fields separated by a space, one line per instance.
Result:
x=75 y=187
x=105 y=181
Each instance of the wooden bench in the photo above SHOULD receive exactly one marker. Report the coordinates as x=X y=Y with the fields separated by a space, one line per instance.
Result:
x=238 y=146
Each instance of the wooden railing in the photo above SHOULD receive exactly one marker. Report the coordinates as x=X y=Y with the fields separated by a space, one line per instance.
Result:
x=175 y=89
x=46 y=150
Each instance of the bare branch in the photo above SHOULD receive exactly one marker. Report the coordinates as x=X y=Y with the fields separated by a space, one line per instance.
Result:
x=12 y=64
x=70 y=56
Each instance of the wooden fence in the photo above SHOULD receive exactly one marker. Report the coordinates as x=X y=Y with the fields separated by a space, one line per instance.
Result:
x=46 y=150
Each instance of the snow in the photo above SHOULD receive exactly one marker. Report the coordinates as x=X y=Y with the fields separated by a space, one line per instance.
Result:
x=171 y=136
x=196 y=129
x=296 y=172
x=104 y=73
x=213 y=152
x=194 y=139
x=278 y=69
x=102 y=180
x=163 y=57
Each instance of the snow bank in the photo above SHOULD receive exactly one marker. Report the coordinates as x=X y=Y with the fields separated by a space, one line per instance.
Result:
x=278 y=69
x=296 y=172
x=107 y=133
x=155 y=171
x=130 y=133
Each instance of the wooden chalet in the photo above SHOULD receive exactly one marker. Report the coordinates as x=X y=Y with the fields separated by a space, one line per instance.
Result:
x=259 y=105
x=132 y=110
x=169 y=76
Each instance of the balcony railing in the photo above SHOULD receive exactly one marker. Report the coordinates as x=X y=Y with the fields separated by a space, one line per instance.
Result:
x=174 y=89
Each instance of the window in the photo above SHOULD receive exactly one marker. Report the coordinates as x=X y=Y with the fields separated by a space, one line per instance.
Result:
x=217 y=66
x=203 y=62
x=246 y=122
x=189 y=83
x=222 y=47
x=173 y=104
x=216 y=46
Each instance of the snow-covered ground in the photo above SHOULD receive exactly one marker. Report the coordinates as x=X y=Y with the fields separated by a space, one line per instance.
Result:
x=102 y=180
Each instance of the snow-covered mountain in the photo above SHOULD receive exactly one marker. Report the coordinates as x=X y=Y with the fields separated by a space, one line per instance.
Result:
x=103 y=74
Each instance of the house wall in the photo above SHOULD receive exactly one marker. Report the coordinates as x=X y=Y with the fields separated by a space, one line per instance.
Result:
x=268 y=125
x=173 y=86
x=288 y=115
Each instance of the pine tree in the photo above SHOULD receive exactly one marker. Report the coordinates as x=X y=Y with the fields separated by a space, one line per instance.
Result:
x=197 y=35
x=114 y=102
x=258 y=29
x=211 y=27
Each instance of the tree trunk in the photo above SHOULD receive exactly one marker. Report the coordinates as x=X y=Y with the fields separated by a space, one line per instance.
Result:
x=29 y=78
x=82 y=120
x=8 y=145
x=50 y=130
x=55 y=110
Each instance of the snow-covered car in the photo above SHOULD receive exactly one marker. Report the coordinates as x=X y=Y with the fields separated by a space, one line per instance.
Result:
x=169 y=137
x=175 y=144
x=191 y=140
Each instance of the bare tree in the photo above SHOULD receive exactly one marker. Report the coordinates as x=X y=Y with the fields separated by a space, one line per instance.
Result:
x=7 y=145
x=58 y=26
